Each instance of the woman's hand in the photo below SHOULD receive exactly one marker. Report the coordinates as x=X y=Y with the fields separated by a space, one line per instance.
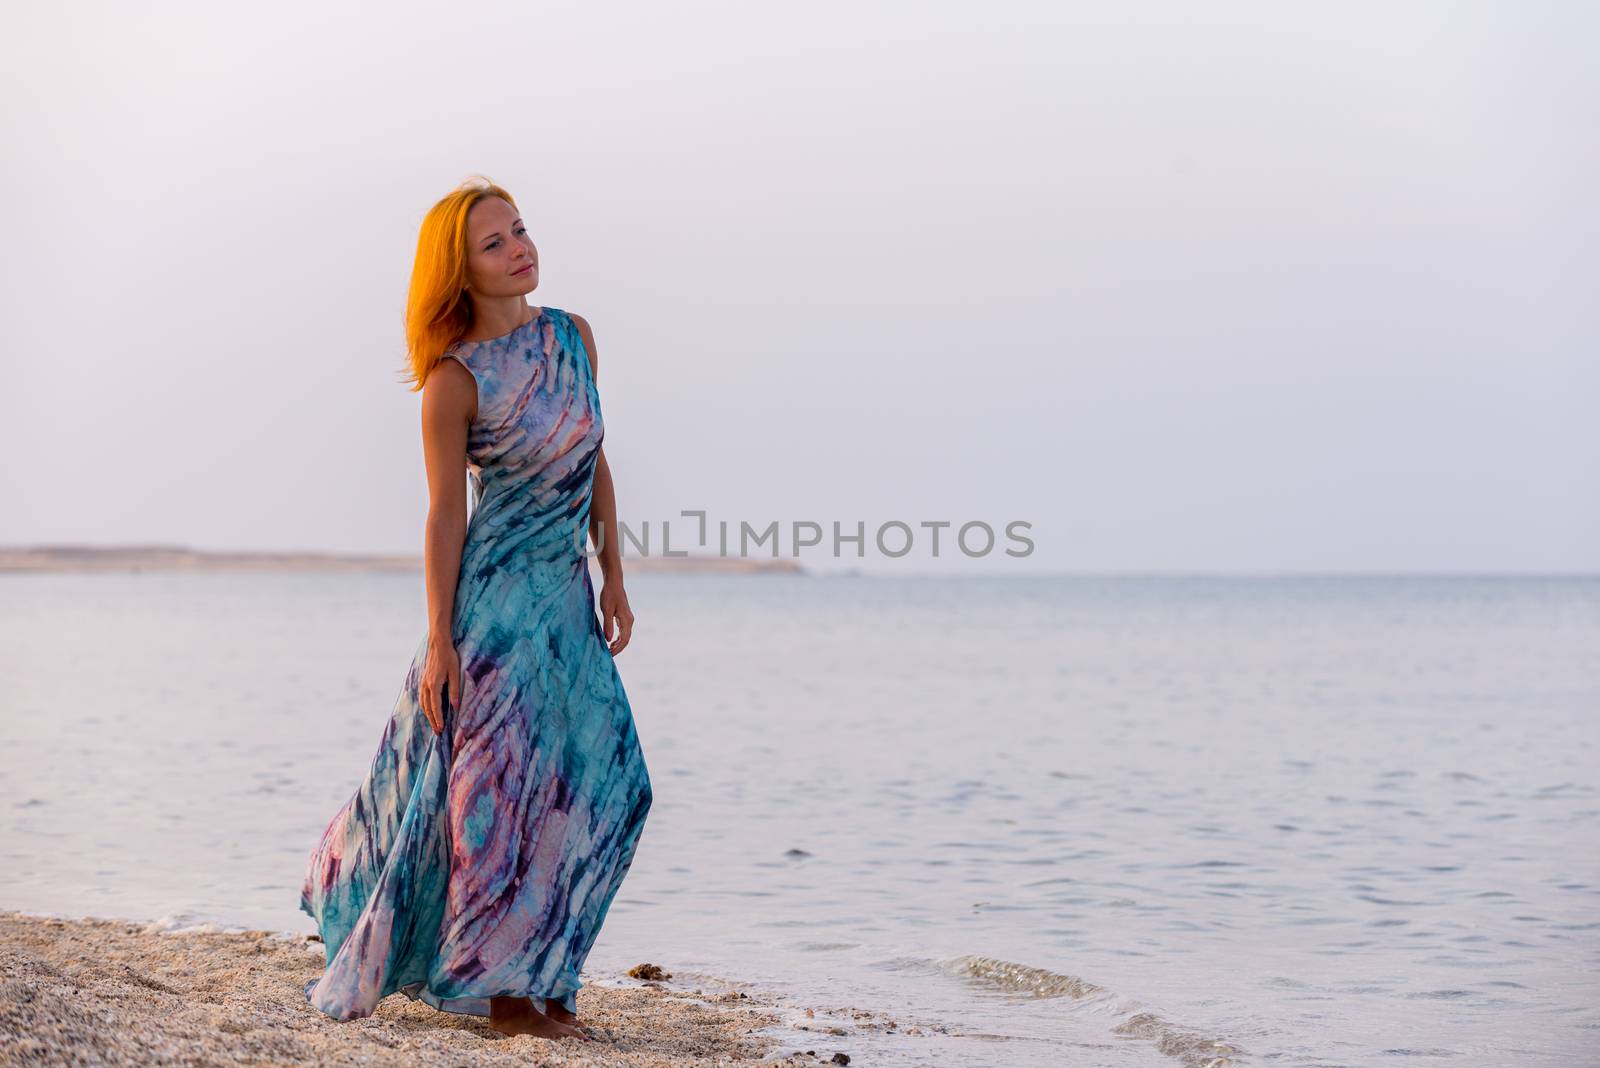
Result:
x=614 y=609
x=441 y=669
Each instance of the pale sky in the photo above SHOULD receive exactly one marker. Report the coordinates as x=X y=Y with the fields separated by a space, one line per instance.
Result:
x=1239 y=287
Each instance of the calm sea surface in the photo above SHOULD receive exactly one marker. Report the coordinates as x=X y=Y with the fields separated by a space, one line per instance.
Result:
x=1085 y=821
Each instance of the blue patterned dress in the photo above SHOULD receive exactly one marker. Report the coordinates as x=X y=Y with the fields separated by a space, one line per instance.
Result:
x=480 y=862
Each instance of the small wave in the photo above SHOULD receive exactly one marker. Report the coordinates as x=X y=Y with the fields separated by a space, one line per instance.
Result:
x=1020 y=978
x=187 y=922
x=173 y=923
x=1189 y=1047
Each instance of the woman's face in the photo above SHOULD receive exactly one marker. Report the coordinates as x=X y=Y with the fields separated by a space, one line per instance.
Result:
x=501 y=258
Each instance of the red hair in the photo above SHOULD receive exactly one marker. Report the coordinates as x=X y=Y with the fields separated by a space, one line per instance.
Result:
x=437 y=311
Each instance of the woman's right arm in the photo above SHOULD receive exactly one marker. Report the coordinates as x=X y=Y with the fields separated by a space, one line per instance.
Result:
x=448 y=399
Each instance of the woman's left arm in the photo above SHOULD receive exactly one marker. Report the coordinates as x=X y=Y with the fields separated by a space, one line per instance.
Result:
x=603 y=527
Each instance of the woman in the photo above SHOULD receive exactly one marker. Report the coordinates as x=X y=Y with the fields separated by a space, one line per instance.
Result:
x=473 y=867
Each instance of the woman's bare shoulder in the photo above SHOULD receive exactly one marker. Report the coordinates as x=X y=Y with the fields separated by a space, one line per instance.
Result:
x=450 y=389
x=587 y=334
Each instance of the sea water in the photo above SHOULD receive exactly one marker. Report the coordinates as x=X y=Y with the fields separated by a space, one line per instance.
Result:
x=1032 y=821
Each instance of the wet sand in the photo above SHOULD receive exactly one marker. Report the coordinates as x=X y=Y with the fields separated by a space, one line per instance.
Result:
x=111 y=992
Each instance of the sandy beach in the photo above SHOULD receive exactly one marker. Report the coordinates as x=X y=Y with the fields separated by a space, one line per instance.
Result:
x=111 y=992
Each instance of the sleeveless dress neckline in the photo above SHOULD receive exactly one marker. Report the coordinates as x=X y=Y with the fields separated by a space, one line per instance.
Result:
x=503 y=337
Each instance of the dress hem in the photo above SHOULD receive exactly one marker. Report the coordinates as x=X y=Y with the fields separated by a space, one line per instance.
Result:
x=460 y=1006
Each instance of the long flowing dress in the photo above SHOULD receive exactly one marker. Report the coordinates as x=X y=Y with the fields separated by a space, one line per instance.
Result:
x=481 y=861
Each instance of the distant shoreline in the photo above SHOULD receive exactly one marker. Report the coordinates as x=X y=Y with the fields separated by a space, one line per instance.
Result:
x=183 y=558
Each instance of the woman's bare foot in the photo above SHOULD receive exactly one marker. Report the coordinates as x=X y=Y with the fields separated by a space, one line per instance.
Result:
x=517 y=1016
x=554 y=1009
